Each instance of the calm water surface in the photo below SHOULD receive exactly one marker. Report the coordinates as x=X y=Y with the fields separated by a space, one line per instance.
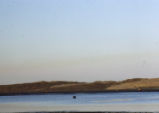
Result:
x=85 y=98
x=126 y=99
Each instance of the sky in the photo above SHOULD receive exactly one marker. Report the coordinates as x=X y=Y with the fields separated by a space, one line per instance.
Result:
x=78 y=40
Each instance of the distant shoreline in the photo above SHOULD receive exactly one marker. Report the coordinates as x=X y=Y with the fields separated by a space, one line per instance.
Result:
x=21 y=94
x=65 y=87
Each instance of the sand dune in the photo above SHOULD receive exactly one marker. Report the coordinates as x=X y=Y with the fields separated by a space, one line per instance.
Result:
x=136 y=84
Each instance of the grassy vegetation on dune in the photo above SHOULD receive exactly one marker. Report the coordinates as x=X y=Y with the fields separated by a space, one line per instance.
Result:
x=136 y=84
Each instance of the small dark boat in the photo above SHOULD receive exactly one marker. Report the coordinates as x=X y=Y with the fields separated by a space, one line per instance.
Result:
x=74 y=97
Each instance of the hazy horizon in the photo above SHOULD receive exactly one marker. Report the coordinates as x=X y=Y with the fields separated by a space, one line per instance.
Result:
x=85 y=40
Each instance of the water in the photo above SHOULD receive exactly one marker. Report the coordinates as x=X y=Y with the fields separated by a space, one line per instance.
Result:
x=84 y=98
x=124 y=101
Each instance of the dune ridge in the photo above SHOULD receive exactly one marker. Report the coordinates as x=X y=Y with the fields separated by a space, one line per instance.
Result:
x=135 y=84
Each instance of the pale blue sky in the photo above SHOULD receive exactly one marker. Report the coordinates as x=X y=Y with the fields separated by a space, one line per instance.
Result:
x=80 y=40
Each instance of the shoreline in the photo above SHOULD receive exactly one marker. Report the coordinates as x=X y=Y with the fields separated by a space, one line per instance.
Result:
x=91 y=92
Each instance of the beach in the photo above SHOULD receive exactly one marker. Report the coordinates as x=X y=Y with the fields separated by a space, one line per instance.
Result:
x=79 y=108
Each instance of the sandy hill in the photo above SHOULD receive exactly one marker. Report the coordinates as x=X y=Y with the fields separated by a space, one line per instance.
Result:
x=137 y=84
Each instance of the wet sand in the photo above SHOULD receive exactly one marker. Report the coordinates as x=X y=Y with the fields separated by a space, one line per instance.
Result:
x=22 y=107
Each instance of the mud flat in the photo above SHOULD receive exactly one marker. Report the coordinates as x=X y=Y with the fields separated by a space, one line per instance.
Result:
x=85 y=112
x=132 y=108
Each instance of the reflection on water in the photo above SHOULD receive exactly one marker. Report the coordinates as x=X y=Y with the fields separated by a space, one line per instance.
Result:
x=85 y=98
x=112 y=100
x=130 y=101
